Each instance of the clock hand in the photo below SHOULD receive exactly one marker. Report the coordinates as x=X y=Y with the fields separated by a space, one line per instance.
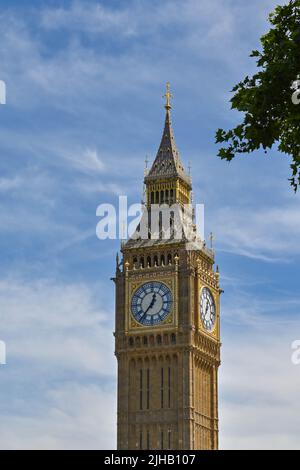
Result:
x=151 y=303
x=206 y=310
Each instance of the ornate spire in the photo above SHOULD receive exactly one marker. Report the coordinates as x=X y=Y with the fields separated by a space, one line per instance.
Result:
x=167 y=162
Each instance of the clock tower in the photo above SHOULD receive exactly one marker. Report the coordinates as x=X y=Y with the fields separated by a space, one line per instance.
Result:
x=167 y=334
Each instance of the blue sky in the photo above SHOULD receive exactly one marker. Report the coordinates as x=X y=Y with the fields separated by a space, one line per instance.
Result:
x=85 y=81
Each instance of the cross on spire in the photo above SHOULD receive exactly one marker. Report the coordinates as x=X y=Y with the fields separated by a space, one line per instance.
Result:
x=168 y=97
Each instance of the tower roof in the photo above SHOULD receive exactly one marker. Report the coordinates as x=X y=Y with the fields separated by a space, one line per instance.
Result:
x=167 y=162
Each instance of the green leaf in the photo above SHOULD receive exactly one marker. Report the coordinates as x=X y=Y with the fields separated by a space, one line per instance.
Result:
x=269 y=118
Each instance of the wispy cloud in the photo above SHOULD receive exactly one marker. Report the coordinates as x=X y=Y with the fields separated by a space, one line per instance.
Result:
x=7 y=184
x=266 y=233
x=257 y=390
x=206 y=30
x=72 y=416
x=89 y=161
x=94 y=19
x=53 y=332
x=261 y=312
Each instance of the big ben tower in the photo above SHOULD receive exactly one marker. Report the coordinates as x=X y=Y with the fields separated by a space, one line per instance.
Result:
x=167 y=335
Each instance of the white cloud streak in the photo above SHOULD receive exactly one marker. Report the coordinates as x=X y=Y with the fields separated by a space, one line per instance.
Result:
x=91 y=18
x=54 y=332
x=265 y=233
x=258 y=390
x=75 y=416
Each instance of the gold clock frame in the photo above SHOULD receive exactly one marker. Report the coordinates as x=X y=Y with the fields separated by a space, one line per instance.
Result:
x=216 y=298
x=170 y=321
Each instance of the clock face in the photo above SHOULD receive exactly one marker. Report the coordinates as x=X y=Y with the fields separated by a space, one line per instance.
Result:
x=207 y=309
x=151 y=303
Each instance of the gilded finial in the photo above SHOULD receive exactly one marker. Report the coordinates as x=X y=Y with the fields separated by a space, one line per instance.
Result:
x=211 y=238
x=168 y=97
x=146 y=162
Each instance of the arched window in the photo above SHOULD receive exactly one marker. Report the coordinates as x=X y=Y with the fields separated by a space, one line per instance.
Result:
x=171 y=196
x=142 y=265
x=130 y=342
x=173 y=338
x=169 y=258
x=145 y=340
x=162 y=387
x=172 y=225
x=141 y=439
x=158 y=339
x=155 y=260
x=169 y=438
x=162 y=197
x=157 y=197
x=152 y=197
x=160 y=223
x=149 y=224
x=141 y=388
x=162 y=260
x=148 y=388
x=167 y=197
x=149 y=261
x=169 y=387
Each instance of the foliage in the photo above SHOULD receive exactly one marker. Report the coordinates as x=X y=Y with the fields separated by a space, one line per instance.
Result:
x=270 y=117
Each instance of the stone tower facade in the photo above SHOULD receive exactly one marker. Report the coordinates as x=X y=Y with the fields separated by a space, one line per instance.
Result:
x=167 y=334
